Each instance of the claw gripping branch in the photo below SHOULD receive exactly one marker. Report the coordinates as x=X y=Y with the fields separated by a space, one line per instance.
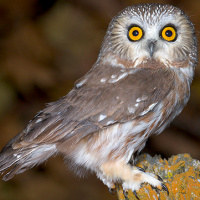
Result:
x=180 y=174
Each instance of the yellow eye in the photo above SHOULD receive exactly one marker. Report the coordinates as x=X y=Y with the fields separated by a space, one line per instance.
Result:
x=135 y=33
x=169 y=33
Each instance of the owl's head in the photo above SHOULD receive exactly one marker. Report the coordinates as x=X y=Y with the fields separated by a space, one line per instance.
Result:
x=151 y=31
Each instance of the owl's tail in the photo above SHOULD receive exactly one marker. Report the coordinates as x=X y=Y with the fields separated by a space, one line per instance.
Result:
x=22 y=159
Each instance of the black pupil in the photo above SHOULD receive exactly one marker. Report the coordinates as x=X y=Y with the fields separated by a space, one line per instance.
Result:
x=168 y=33
x=135 y=33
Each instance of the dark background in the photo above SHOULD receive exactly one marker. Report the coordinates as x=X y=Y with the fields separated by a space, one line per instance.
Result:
x=44 y=47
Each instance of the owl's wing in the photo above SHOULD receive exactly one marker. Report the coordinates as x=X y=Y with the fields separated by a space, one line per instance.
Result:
x=103 y=97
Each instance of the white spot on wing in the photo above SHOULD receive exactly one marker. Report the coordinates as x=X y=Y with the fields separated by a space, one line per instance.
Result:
x=148 y=109
x=118 y=78
x=138 y=100
x=38 y=120
x=110 y=122
x=78 y=85
x=131 y=109
x=102 y=117
x=143 y=98
x=113 y=76
x=17 y=155
x=103 y=80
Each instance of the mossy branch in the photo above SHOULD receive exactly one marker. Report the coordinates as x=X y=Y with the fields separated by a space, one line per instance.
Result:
x=180 y=173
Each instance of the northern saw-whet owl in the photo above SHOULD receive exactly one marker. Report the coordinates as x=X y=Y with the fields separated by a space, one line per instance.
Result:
x=139 y=83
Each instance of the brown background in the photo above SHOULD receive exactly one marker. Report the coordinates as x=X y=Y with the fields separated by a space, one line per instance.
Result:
x=44 y=48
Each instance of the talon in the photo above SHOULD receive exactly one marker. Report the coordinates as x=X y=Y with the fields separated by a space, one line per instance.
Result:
x=125 y=192
x=141 y=169
x=164 y=187
x=135 y=193
x=159 y=178
x=112 y=191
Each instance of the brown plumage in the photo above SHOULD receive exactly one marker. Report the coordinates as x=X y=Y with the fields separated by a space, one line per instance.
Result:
x=139 y=83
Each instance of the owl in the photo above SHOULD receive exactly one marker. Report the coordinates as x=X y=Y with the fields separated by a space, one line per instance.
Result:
x=139 y=83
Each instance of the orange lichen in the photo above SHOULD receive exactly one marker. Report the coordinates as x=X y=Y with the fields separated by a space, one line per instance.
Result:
x=181 y=175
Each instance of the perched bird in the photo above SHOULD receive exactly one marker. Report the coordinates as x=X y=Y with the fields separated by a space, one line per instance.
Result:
x=139 y=83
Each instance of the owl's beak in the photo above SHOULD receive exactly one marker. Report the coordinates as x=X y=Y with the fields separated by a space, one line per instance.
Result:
x=151 y=47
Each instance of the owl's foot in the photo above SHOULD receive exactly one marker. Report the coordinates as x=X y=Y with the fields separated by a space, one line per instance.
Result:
x=125 y=192
x=131 y=177
x=112 y=190
x=138 y=177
